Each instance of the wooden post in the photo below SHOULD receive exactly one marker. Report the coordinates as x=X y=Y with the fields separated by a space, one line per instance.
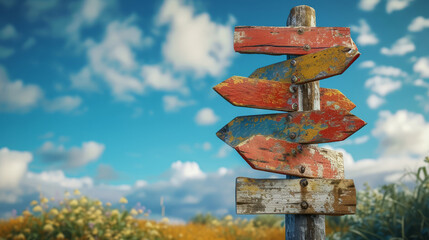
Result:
x=305 y=226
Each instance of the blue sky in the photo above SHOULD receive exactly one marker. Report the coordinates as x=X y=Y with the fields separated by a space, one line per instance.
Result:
x=115 y=98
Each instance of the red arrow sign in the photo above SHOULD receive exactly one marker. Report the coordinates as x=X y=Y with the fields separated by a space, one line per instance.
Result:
x=310 y=67
x=281 y=96
x=290 y=40
x=280 y=156
x=299 y=127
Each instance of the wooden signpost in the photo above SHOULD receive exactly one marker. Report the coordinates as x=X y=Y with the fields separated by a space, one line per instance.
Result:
x=284 y=142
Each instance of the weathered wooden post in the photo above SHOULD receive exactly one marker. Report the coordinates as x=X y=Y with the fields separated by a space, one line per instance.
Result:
x=304 y=226
x=284 y=142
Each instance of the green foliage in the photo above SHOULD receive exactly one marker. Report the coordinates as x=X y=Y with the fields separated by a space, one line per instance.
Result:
x=391 y=212
x=204 y=219
x=268 y=220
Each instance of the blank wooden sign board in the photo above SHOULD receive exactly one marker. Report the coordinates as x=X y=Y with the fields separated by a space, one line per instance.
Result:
x=284 y=142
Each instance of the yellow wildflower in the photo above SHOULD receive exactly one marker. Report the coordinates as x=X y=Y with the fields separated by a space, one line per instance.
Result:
x=79 y=222
x=165 y=220
x=98 y=203
x=48 y=228
x=19 y=237
x=44 y=200
x=27 y=230
x=129 y=218
x=123 y=200
x=66 y=194
x=60 y=216
x=83 y=201
x=108 y=204
x=52 y=199
x=64 y=211
x=72 y=218
x=146 y=214
x=77 y=210
x=34 y=202
x=53 y=211
x=26 y=213
x=73 y=202
x=76 y=192
x=133 y=212
x=140 y=211
x=95 y=231
x=98 y=212
x=60 y=236
x=107 y=235
x=37 y=208
x=115 y=212
x=148 y=224
x=228 y=218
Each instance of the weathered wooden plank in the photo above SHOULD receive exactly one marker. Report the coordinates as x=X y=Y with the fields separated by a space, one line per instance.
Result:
x=280 y=96
x=311 y=67
x=298 y=127
x=295 y=196
x=280 y=156
x=289 y=40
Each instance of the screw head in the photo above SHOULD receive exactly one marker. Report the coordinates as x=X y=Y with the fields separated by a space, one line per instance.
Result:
x=292 y=135
x=289 y=118
x=346 y=49
x=300 y=31
x=295 y=106
x=293 y=152
x=303 y=182
x=299 y=148
x=306 y=47
x=294 y=79
x=302 y=169
x=293 y=88
x=293 y=63
x=304 y=205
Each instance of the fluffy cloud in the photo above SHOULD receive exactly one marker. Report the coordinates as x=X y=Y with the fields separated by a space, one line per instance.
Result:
x=382 y=85
x=368 y=5
x=63 y=104
x=223 y=151
x=157 y=78
x=401 y=47
x=83 y=80
x=8 y=32
x=206 y=116
x=173 y=103
x=183 y=171
x=374 y=101
x=113 y=59
x=367 y=64
x=106 y=173
x=194 y=42
x=72 y=158
x=13 y=166
x=396 y=5
x=422 y=67
x=355 y=141
x=6 y=52
x=30 y=42
x=365 y=35
x=38 y=8
x=418 y=24
x=17 y=96
x=402 y=133
x=388 y=71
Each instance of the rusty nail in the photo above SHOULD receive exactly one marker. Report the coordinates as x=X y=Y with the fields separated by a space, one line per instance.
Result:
x=304 y=205
x=293 y=88
x=302 y=169
x=294 y=79
x=299 y=148
x=295 y=106
x=306 y=47
x=346 y=49
x=289 y=117
x=303 y=182
x=300 y=31
x=292 y=135
x=293 y=63
x=293 y=152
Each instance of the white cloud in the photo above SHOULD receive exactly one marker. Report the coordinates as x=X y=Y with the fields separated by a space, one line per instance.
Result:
x=207 y=146
x=368 y=5
x=30 y=42
x=401 y=47
x=355 y=141
x=6 y=52
x=13 y=166
x=375 y=101
x=88 y=13
x=113 y=58
x=423 y=101
x=106 y=173
x=223 y=151
x=17 y=96
x=8 y=32
x=38 y=8
x=159 y=79
x=74 y=157
x=421 y=83
x=58 y=177
x=194 y=42
x=367 y=64
x=396 y=5
x=418 y=24
x=365 y=35
x=206 y=116
x=63 y=104
x=382 y=85
x=173 y=103
x=422 y=67
x=182 y=171
x=83 y=80
x=388 y=71
x=402 y=133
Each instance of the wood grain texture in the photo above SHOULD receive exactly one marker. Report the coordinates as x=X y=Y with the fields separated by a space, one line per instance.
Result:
x=280 y=156
x=308 y=68
x=287 y=196
x=272 y=95
x=297 y=127
x=289 y=40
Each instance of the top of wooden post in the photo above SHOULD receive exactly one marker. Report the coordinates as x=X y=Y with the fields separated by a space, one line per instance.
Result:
x=302 y=16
